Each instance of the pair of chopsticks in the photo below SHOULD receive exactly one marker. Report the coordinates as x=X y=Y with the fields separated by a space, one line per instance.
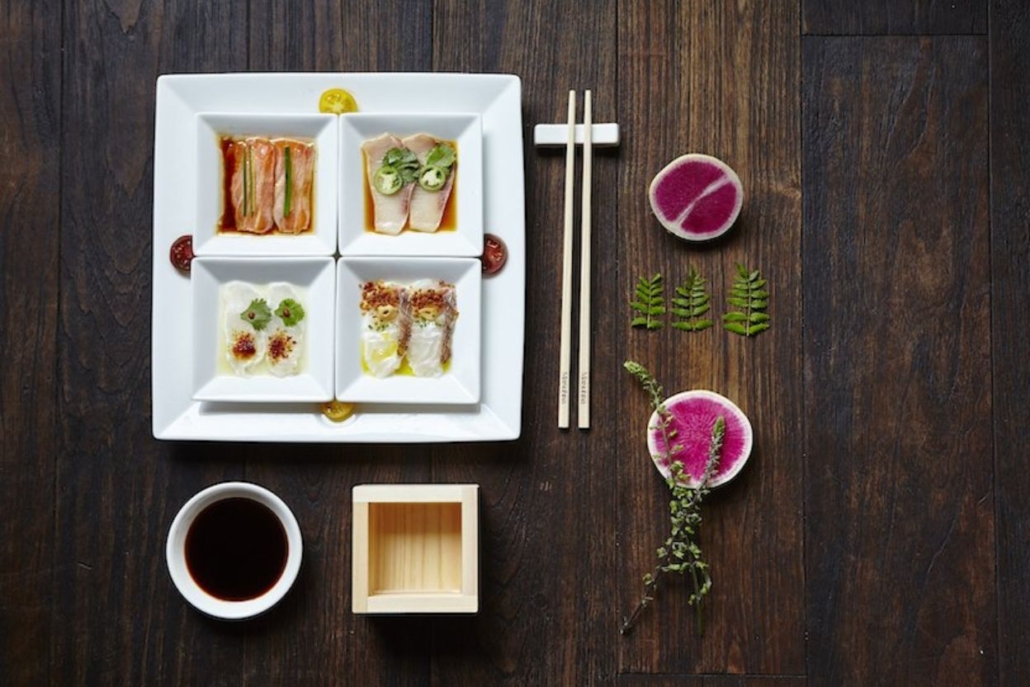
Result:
x=583 y=388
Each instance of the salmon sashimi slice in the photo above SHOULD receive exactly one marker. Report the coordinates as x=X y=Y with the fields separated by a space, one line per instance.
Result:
x=299 y=165
x=252 y=185
x=391 y=211
x=427 y=207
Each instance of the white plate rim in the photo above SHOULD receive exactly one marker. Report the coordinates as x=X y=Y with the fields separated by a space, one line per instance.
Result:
x=498 y=99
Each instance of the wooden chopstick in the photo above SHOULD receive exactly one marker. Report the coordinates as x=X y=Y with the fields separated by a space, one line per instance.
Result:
x=583 y=415
x=566 y=271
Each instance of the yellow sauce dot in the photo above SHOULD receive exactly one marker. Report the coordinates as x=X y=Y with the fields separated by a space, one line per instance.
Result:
x=337 y=101
x=337 y=411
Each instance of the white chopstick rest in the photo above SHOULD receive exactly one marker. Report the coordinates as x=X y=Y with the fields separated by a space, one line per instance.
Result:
x=554 y=135
x=583 y=414
x=565 y=371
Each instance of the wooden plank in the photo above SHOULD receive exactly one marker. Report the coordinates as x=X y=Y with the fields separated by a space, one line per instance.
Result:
x=894 y=17
x=29 y=243
x=729 y=74
x=121 y=620
x=899 y=508
x=548 y=529
x=315 y=636
x=642 y=680
x=1010 y=287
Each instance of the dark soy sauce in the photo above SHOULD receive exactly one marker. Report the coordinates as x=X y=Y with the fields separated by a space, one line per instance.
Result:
x=236 y=549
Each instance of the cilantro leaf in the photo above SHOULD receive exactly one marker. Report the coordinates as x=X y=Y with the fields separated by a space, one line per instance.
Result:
x=290 y=312
x=257 y=314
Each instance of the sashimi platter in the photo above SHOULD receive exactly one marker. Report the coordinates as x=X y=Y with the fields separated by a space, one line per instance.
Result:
x=326 y=262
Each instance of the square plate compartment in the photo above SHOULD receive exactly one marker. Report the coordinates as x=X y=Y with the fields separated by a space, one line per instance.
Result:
x=315 y=381
x=323 y=129
x=497 y=98
x=466 y=239
x=460 y=384
x=415 y=548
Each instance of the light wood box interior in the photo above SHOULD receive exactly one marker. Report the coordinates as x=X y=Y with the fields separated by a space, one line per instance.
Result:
x=416 y=548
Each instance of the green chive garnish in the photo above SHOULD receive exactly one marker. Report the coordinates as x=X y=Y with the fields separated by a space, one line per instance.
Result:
x=289 y=183
x=246 y=182
x=250 y=162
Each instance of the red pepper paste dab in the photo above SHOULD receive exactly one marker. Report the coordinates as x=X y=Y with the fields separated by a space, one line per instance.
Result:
x=243 y=347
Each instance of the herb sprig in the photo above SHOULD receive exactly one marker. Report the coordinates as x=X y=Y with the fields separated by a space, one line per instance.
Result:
x=680 y=553
x=748 y=294
x=649 y=303
x=690 y=303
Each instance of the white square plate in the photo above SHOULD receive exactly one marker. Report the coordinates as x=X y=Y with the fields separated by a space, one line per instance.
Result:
x=320 y=128
x=313 y=279
x=465 y=239
x=498 y=101
x=459 y=383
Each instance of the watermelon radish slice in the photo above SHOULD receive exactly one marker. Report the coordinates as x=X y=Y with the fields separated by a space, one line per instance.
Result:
x=693 y=416
x=696 y=197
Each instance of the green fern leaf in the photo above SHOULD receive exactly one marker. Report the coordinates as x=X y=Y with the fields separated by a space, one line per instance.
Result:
x=692 y=301
x=748 y=295
x=650 y=302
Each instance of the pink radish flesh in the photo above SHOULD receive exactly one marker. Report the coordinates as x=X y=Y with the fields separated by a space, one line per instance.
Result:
x=690 y=432
x=696 y=197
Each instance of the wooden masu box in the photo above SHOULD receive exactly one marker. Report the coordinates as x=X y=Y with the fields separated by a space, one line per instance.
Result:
x=415 y=548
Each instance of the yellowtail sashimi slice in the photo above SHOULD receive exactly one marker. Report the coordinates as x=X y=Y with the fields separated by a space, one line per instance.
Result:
x=384 y=329
x=391 y=210
x=432 y=309
x=427 y=207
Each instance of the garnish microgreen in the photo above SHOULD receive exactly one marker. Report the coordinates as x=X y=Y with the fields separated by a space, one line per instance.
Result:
x=290 y=312
x=680 y=552
x=690 y=303
x=257 y=314
x=404 y=162
x=289 y=181
x=649 y=303
x=441 y=156
x=748 y=294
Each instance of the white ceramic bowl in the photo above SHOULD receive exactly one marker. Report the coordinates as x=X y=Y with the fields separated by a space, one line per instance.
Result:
x=466 y=239
x=175 y=552
x=460 y=384
x=321 y=128
x=215 y=381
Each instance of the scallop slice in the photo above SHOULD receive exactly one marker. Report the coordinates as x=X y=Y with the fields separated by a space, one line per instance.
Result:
x=245 y=345
x=286 y=342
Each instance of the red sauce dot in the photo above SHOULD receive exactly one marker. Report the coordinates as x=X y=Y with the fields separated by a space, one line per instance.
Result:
x=181 y=252
x=495 y=254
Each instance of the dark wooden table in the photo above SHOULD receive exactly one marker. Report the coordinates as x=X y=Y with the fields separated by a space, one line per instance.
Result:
x=879 y=535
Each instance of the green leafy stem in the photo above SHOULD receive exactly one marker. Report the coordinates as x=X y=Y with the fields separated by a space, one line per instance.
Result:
x=680 y=552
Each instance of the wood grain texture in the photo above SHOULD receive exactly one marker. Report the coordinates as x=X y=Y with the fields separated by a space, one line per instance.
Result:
x=548 y=531
x=899 y=499
x=894 y=17
x=720 y=79
x=639 y=680
x=121 y=620
x=1010 y=293
x=29 y=242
